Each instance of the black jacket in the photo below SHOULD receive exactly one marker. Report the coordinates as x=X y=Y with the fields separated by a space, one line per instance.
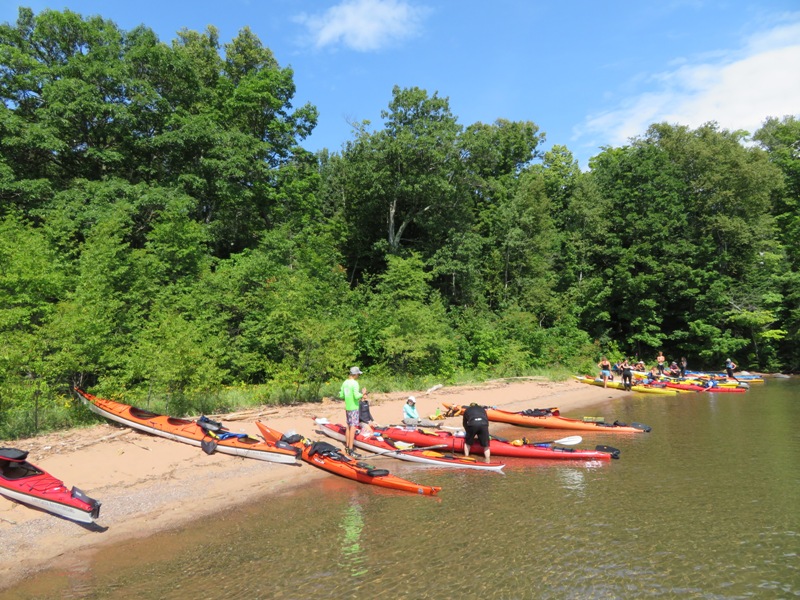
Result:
x=364 y=416
x=475 y=416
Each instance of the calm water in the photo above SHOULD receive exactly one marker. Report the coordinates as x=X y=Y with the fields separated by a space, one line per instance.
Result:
x=705 y=506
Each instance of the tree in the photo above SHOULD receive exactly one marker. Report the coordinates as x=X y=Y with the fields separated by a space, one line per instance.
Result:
x=404 y=326
x=689 y=219
x=402 y=179
x=781 y=140
x=85 y=101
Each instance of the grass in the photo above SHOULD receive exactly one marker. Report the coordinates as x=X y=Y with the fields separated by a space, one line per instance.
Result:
x=66 y=414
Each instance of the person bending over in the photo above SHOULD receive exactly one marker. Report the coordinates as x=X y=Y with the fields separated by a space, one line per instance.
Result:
x=476 y=424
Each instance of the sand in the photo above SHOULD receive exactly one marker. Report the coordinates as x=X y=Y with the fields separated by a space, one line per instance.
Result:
x=148 y=484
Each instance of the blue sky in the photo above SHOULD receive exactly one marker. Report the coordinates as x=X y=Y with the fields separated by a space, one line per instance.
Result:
x=588 y=73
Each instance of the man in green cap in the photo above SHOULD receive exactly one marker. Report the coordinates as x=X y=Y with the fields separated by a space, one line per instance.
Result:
x=351 y=396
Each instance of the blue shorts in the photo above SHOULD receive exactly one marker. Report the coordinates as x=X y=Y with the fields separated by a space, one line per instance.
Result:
x=352 y=417
x=605 y=373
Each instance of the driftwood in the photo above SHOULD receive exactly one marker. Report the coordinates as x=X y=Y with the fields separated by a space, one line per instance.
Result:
x=244 y=415
x=110 y=436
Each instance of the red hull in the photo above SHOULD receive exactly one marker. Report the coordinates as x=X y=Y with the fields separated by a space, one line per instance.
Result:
x=496 y=447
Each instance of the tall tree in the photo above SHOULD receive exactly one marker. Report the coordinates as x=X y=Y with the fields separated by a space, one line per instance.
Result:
x=689 y=215
x=781 y=140
x=83 y=100
x=400 y=183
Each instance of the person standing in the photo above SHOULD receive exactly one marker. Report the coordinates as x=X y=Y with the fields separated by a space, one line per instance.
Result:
x=352 y=397
x=684 y=363
x=476 y=424
x=660 y=361
x=730 y=366
x=605 y=370
x=627 y=375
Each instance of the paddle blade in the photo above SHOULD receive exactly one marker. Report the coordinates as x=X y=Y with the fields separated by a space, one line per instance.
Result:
x=208 y=446
x=569 y=441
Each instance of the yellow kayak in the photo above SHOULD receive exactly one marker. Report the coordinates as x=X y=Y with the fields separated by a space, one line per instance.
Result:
x=617 y=385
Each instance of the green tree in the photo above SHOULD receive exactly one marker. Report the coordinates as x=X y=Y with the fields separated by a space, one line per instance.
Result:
x=404 y=327
x=689 y=216
x=781 y=140
x=398 y=185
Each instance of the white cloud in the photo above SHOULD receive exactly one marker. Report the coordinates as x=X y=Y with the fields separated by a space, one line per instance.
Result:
x=738 y=90
x=364 y=25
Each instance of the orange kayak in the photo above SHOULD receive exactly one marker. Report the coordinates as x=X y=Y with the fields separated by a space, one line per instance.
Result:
x=189 y=432
x=329 y=458
x=550 y=418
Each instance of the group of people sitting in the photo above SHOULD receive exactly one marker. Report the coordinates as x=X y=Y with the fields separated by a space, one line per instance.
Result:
x=626 y=367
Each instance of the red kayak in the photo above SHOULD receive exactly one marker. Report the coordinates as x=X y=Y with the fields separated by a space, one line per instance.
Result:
x=330 y=458
x=377 y=443
x=29 y=484
x=710 y=389
x=518 y=449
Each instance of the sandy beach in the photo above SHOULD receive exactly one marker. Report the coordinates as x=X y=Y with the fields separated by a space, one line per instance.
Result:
x=148 y=484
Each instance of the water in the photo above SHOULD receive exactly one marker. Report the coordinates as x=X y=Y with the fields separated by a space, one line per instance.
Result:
x=705 y=506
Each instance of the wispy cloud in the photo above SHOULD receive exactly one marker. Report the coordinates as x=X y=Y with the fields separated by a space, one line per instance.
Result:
x=364 y=25
x=738 y=89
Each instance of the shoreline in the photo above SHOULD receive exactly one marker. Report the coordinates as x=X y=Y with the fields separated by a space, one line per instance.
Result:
x=148 y=484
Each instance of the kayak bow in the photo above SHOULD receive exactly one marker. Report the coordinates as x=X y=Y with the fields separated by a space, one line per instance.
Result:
x=32 y=485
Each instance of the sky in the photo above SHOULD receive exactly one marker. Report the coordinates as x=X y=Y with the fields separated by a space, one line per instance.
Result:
x=589 y=74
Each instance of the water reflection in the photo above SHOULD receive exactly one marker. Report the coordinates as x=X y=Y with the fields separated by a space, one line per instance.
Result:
x=352 y=525
x=573 y=480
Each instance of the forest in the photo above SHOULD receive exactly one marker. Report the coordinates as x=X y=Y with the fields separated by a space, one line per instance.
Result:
x=164 y=234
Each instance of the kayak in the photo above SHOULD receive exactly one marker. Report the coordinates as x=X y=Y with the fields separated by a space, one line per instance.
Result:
x=329 y=458
x=207 y=434
x=636 y=387
x=517 y=449
x=550 y=418
x=717 y=383
x=377 y=443
x=742 y=376
x=693 y=387
x=32 y=485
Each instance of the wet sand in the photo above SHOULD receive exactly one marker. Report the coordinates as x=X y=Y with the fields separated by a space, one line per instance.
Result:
x=148 y=484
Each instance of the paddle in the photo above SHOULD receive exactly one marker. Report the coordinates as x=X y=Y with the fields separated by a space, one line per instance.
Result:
x=384 y=452
x=567 y=441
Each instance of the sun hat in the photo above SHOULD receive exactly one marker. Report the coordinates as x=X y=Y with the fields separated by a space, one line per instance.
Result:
x=355 y=371
x=412 y=399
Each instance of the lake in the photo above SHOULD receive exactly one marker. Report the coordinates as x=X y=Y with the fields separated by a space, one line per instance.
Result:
x=707 y=505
